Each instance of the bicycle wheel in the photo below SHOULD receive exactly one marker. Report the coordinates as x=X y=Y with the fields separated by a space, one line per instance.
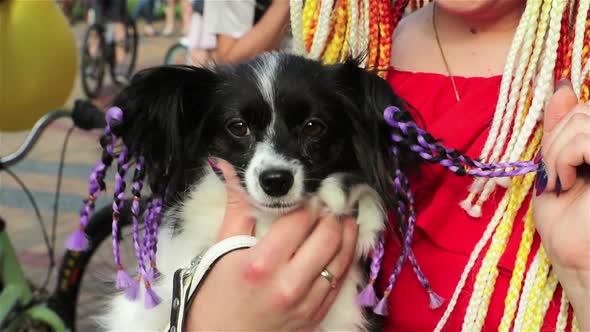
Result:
x=86 y=279
x=93 y=61
x=122 y=71
x=177 y=54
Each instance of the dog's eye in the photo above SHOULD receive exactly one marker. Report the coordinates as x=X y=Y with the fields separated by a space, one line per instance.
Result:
x=313 y=128
x=239 y=128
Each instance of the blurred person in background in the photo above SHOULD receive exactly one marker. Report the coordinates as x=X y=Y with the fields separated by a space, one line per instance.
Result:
x=186 y=10
x=114 y=12
x=146 y=7
x=240 y=34
x=201 y=43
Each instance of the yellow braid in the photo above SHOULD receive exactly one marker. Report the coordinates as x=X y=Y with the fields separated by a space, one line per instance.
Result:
x=346 y=47
x=533 y=301
x=575 y=325
x=515 y=287
x=486 y=276
x=334 y=47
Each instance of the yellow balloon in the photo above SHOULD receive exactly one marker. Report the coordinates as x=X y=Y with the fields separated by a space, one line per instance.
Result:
x=38 y=61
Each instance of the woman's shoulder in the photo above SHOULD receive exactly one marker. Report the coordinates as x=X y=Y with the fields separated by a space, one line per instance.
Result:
x=414 y=43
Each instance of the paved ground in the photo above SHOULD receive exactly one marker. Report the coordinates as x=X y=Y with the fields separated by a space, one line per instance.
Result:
x=39 y=171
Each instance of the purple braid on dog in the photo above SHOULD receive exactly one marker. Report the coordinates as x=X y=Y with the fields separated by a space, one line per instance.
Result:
x=78 y=241
x=153 y=236
x=435 y=301
x=138 y=176
x=367 y=297
x=407 y=133
x=123 y=280
x=410 y=216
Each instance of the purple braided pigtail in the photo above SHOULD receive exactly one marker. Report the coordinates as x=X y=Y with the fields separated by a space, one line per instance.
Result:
x=78 y=240
x=138 y=177
x=435 y=301
x=150 y=238
x=405 y=132
x=123 y=279
x=153 y=239
x=367 y=297
x=400 y=179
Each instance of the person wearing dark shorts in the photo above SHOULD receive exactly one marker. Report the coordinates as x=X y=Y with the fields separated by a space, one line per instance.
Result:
x=115 y=12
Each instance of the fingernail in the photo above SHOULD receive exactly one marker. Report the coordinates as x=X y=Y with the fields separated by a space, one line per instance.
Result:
x=558 y=186
x=563 y=82
x=538 y=158
x=541 y=180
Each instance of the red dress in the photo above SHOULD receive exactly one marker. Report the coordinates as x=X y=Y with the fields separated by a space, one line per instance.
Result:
x=445 y=234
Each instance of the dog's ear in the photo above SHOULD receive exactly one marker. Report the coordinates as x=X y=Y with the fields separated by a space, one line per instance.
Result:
x=161 y=107
x=371 y=137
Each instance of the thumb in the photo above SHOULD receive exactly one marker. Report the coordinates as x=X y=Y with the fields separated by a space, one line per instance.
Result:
x=238 y=219
x=562 y=102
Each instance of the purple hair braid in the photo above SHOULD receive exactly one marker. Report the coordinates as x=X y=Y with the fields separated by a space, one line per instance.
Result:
x=367 y=297
x=153 y=237
x=123 y=279
x=405 y=132
x=138 y=177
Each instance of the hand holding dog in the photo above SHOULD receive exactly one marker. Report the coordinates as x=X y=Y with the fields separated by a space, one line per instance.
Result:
x=563 y=219
x=275 y=285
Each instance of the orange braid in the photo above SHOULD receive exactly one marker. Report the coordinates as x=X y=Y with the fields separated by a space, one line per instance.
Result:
x=585 y=95
x=373 y=33
x=385 y=31
x=562 y=48
x=586 y=49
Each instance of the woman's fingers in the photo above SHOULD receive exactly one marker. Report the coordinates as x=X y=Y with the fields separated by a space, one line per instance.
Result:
x=574 y=153
x=567 y=134
x=322 y=295
x=278 y=246
x=561 y=103
x=324 y=242
x=238 y=219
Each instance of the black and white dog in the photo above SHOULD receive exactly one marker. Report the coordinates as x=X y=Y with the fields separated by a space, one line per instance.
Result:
x=297 y=132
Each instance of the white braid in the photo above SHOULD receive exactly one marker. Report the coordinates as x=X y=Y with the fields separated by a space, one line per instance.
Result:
x=530 y=15
x=527 y=66
x=528 y=18
x=583 y=7
x=364 y=40
x=296 y=10
x=527 y=62
x=322 y=30
x=544 y=81
x=563 y=313
x=472 y=259
x=526 y=291
x=353 y=35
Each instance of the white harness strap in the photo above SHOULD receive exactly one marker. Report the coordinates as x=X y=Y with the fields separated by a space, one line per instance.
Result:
x=187 y=280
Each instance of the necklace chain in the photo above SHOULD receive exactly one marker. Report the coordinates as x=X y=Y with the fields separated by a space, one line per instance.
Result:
x=442 y=53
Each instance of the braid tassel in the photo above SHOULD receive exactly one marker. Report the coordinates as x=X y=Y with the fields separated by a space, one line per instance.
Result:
x=367 y=297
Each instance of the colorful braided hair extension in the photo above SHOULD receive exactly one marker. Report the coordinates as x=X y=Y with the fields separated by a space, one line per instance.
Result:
x=332 y=31
x=78 y=241
x=145 y=249
x=552 y=41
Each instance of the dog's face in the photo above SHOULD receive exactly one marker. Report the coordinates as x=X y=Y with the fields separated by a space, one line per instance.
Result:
x=284 y=122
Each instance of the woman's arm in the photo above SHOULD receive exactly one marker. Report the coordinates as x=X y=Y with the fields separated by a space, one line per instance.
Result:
x=266 y=35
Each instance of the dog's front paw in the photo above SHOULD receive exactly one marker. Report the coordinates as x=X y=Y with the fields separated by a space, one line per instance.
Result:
x=344 y=194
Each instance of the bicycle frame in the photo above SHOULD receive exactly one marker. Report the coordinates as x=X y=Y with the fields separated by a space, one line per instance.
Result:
x=16 y=293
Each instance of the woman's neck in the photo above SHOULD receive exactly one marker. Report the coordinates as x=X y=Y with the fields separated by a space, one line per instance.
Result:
x=489 y=22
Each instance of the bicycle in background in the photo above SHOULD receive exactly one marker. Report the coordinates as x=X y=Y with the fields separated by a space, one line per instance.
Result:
x=102 y=47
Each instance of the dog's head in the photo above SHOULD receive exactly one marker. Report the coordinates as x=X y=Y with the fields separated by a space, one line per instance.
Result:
x=283 y=121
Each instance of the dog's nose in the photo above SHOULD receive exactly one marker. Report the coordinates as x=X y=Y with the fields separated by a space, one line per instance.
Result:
x=276 y=182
